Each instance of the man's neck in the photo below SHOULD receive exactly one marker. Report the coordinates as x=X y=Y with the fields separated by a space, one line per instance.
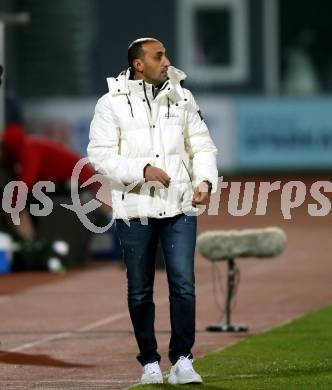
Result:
x=139 y=76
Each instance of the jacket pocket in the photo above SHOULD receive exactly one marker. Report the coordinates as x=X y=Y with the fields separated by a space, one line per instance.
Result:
x=135 y=190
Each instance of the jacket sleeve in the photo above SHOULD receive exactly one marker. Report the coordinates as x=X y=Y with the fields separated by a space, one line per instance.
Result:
x=200 y=147
x=103 y=148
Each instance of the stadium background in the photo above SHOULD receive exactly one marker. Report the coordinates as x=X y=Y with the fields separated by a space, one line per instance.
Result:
x=260 y=70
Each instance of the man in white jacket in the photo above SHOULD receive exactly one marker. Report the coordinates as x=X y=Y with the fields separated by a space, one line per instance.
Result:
x=149 y=138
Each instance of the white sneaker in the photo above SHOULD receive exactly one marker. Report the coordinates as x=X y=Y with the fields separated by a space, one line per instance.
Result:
x=151 y=374
x=183 y=372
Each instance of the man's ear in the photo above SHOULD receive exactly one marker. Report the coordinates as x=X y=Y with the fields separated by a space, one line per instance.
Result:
x=138 y=65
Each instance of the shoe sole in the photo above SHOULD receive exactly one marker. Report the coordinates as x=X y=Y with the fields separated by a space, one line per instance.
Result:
x=176 y=381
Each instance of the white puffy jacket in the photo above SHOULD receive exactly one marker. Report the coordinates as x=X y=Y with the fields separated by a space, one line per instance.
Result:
x=131 y=128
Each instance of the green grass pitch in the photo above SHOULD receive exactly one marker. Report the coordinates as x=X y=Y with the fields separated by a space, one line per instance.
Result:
x=295 y=356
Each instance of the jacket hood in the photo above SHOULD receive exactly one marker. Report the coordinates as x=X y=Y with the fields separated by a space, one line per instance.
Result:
x=123 y=85
x=176 y=75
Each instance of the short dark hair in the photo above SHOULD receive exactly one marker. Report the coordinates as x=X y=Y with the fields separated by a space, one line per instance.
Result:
x=135 y=49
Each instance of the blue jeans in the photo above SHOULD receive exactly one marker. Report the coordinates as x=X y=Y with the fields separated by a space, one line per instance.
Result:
x=178 y=239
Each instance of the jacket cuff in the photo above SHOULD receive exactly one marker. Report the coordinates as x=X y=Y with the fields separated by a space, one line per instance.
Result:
x=139 y=171
x=213 y=183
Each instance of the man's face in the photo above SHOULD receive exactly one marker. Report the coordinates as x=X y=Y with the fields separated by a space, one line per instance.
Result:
x=154 y=65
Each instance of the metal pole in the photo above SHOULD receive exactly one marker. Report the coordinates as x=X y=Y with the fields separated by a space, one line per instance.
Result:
x=271 y=46
x=231 y=284
x=230 y=289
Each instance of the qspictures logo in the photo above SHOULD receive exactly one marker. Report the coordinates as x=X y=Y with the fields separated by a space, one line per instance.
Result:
x=243 y=198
